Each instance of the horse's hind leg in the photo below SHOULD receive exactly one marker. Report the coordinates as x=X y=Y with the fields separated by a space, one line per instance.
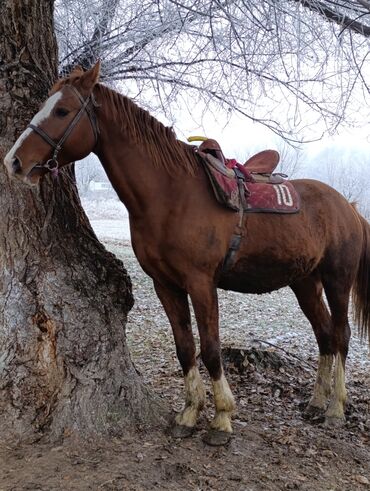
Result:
x=309 y=295
x=175 y=303
x=338 y=293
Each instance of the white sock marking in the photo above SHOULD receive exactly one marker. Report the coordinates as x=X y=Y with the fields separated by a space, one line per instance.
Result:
x=194 y=398
x=322 y=388
x=225 y=405
x=336 y=405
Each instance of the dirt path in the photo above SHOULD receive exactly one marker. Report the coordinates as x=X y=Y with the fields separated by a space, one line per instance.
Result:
x=273 y=447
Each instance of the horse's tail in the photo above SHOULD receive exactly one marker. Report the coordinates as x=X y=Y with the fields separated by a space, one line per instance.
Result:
x=361 y=287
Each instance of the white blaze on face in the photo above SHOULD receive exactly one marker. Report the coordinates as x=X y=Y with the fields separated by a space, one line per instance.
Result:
x=36 y=120
x=47 y=109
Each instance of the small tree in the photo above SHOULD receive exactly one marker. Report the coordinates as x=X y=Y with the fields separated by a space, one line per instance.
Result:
x=291 y=160
x=347 y=181
x=87 y=171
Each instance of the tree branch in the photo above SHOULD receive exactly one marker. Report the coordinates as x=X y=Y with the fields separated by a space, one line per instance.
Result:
x=337 y=17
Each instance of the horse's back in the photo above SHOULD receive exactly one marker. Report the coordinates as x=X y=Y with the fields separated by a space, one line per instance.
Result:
x=328 y=213
x=279 y=249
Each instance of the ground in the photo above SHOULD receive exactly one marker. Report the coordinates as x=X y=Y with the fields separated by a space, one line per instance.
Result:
x=270 y=358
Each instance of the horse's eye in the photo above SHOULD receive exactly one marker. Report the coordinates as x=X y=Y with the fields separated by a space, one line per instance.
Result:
x=61 y=112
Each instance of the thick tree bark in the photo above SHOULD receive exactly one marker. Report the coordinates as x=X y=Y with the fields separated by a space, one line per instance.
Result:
x=64 y=364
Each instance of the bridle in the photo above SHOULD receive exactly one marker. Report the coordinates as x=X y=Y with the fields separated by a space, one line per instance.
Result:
x=52 y=164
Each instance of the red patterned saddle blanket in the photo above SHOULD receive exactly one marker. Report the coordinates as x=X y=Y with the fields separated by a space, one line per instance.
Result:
x=263 y=193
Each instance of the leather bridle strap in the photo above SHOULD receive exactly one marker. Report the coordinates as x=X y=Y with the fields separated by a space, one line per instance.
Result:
x=43 y=135
x=88 y=109
x=53 y=162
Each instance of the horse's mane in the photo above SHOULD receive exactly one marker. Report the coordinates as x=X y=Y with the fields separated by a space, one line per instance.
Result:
x=157 y=139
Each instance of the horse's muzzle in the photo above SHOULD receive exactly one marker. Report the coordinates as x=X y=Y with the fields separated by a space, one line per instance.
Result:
x=16 y=165
x=30 y=176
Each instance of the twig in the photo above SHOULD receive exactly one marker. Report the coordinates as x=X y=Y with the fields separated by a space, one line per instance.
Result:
x=285 y=351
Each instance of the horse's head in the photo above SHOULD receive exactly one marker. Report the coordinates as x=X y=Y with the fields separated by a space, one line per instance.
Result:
x=64 y=130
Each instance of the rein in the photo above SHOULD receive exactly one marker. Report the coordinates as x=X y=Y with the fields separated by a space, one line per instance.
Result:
x=52 y=164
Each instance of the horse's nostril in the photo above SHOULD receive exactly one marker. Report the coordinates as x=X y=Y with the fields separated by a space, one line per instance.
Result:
x=16 y=165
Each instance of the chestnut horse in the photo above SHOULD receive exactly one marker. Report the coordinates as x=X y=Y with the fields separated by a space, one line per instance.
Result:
x=181 y=235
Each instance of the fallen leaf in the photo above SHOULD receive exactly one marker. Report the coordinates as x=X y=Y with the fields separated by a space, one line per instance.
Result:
x=361 y=479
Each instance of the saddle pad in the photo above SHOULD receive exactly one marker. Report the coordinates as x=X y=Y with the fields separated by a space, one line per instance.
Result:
x=272 y=198
x=223 y=182
x=260 y=197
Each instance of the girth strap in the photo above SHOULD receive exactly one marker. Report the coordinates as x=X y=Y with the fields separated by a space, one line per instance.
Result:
x=238 y=234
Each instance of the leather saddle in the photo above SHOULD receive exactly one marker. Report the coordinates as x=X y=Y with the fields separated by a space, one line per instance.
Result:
x=250 y=187
x=261 y=165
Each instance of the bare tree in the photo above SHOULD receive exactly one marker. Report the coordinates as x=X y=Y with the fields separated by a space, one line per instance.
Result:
x=349 y=179
x=291 y=159
x=351 y=15
x=87 y=171
x=346 y=168
x=287 y=64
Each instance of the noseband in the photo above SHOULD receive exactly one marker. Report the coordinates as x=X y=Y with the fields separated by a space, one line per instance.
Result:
x=53 y=164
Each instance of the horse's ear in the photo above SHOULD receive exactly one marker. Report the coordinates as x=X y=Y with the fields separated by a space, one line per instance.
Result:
x=91 y=77
x=77 y=70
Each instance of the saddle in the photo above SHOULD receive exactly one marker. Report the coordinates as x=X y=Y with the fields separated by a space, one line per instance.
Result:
x=251 y=187
x=261 y=165
x=248 y=188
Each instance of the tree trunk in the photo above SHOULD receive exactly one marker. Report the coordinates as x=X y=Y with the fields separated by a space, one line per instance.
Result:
x=64 y=363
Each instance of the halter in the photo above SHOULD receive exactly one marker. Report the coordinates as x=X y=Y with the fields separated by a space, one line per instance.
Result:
x=53 y=164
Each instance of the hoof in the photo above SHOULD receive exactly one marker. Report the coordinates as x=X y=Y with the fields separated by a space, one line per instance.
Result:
x=216 y=438
x=331 y=422
x=181 y=431
x=314 y=413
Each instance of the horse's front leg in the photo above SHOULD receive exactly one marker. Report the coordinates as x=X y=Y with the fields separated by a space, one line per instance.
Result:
x=176 y=305
x=204 y=300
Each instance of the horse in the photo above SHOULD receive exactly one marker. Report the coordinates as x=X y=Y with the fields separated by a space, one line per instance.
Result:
x=180 y=236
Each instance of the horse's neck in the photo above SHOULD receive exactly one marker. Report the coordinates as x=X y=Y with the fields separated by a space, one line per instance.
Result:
x=126 y=170
x=138 y=183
